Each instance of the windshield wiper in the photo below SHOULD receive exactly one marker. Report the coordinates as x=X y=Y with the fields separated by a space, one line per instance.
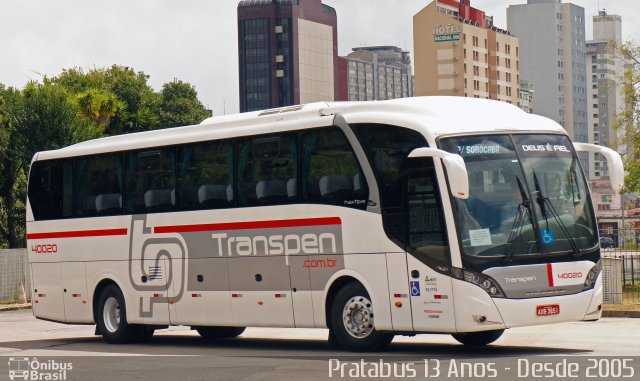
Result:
x=518 y=222
x=544 y=201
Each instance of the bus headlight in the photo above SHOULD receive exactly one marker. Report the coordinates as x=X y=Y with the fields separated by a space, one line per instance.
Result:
x=592 y=276
x=483 y=281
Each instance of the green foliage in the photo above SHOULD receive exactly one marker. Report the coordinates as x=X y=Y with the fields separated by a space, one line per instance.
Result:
x=121 y=99
x=180 y=105
x=72 y=107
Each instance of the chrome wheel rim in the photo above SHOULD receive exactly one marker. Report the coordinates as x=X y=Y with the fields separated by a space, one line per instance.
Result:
x=111 y=314
x=357 y=317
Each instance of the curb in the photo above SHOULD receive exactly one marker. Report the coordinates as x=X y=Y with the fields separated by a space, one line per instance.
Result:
x=15 y=307
x=621 y=314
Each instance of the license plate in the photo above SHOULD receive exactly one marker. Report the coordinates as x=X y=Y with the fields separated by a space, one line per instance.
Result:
x=553 y=309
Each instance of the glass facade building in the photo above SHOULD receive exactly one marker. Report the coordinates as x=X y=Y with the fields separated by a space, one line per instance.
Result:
x=287 y=52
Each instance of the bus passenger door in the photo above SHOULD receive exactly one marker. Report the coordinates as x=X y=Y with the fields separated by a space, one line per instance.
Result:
x=428 y=255
x=74 y=283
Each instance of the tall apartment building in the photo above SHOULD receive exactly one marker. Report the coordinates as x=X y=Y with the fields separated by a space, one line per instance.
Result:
x=288 y=51
x=604 y=86
x=552 y=57
x=459 y=52
x=606 y=100
x=375 y=73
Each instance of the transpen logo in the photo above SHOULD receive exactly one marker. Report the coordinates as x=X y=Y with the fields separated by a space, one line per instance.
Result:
x=520 y=279
x=277 y=244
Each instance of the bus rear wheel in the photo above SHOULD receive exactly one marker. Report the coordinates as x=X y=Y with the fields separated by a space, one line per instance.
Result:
x=352 y=321
x=112 y=318
x=213 y=333
x=476 y=339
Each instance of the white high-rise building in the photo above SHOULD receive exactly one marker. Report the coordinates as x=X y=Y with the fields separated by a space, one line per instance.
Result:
x=553 y=59
x=605 y=84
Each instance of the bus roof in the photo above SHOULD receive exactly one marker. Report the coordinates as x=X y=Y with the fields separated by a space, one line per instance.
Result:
x=433 y=116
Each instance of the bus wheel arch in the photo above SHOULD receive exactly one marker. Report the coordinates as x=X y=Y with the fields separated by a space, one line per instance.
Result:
x=348 y=297
x=111 y=318
x=331 y=293
x=95 y=299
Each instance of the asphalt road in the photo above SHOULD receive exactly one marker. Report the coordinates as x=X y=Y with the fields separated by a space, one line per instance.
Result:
x=294 y=354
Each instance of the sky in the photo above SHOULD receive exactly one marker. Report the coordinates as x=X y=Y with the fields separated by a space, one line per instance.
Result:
x=196 y=40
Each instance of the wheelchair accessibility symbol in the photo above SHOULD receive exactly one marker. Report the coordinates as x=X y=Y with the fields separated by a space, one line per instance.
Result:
x=547 y=236
x=415 y=288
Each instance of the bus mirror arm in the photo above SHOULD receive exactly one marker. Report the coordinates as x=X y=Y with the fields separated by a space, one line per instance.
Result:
x=614 y=162
x=456 y=170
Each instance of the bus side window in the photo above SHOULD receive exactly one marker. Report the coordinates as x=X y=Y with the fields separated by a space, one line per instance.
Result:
x=331 y=173
x=51 y=189
x=150 y=181
x=266 y=166
x=205 y=176
x=387 y=148
x=98 y=185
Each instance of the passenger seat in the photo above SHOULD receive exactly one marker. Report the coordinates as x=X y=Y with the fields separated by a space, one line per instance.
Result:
x=157 y=200
x=109 y=203
x=271 y=192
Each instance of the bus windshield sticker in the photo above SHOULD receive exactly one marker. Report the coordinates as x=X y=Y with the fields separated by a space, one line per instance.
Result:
x=479 y=149
x=547 y=236
x=544 y=148
x=480 y=237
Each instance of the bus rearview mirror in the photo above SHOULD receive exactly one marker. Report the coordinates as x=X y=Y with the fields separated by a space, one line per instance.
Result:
x=614 y=162
x=456 y=170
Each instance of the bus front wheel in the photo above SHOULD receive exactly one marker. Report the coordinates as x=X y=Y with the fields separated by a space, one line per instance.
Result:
x=352 y=321
x=112 y=318
x=476 y=339
x=212 y=333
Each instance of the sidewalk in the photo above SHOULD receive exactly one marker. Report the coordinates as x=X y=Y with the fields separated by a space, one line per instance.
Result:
x=14 y=307
x=621 y=310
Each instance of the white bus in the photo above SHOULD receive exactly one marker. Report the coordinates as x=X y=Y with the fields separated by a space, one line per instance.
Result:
x=421 y=215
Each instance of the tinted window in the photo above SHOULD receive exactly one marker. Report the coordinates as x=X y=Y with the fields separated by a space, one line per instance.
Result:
x=427 y=237
x=387 y=148
x=99 y=185
x=206 y=176
x=51 y=189
x=150 y=185
x=331 y=173
x=267 y=170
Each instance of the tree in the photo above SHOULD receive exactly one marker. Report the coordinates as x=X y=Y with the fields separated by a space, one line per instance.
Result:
x=180 y=105
x=40 y=117
x=628 y=121
x=72 y=107
x=117 y=95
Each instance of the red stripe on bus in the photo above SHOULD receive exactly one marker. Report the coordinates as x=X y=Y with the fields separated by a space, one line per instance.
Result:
x=550 y=274
x=249 y=225
x=78 y=233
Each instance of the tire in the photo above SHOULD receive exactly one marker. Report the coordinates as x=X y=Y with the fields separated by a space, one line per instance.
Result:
x=112 y=318
x=477 y=339
x=352 y=323
x=214 y=333
x=145 y=334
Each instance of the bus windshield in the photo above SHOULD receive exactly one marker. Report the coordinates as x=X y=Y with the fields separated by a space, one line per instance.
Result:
x=527 y=196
